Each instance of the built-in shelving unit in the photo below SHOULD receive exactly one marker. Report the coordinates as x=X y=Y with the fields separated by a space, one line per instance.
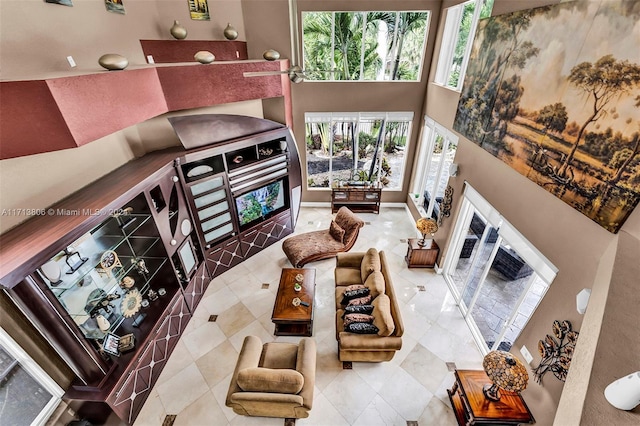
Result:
x=160 y=226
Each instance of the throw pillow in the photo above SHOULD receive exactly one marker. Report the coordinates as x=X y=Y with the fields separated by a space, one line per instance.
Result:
x=366 y=300
x=336 y=232
x=354 y=294
x=361 y=328
x=270 y=380
x=358 y=309
x=370 y=263
x=375 y=283
x=351 y=318
x=382 y=315
x=353 y=287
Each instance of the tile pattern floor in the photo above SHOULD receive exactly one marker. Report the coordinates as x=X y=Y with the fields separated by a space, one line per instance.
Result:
x=411 y=387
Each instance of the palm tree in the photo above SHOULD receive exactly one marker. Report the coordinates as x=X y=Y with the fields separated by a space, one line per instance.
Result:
x=406 y=23
x=348 y=40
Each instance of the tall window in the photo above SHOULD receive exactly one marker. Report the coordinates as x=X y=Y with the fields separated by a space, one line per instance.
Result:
x=437 y=151
x=457 y=38
x=356 y=146
x=27 y=394
x=371 y=46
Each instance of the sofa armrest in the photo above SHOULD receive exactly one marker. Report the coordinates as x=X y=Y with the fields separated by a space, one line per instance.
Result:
x=349 y=260
x=306 y=365
x=249 y=357
x=265 y=397
x=369 y=342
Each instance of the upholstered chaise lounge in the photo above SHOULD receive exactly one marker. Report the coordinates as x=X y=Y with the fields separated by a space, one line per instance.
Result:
x=316 y=245
x=274 y=380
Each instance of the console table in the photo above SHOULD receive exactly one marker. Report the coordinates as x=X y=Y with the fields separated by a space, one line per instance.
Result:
x=472 y=408
x=359 y=199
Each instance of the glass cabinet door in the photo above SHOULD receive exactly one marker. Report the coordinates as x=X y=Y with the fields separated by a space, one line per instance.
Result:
x=101 y=278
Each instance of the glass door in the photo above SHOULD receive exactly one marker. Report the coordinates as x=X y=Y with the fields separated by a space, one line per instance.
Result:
x=491 y=276
x=28 y=396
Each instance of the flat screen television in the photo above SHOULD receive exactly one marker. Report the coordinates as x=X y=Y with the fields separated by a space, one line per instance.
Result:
x=261 y=203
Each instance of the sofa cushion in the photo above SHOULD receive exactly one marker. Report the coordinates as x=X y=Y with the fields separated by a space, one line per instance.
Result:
x=336 y=232
x=351 y=318
x=353 y=287
x=354 y=294
x=375 y=283
x=361 y=328
x=360 y=301
x=350 y=223
x=279 y=355
x=382 y=315
x=260 y=379
x=347 y=276
x=359 y=309
x=370 y=263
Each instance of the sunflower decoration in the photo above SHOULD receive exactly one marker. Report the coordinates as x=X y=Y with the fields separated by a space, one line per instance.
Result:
x=426 y=226
x=131 y=303
x=556 y=353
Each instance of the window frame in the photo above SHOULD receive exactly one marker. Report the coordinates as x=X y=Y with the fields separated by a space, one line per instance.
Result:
x=359 y=117
x=384 y=58
x=430 y=131
x=36 y=372
x=450 y=37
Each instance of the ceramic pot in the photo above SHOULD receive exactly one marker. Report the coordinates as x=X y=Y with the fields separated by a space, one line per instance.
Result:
x=178 y=31
x=230 y=33
x=204 y=57
x=271 y=55
x=103 y=323
x=113 y=61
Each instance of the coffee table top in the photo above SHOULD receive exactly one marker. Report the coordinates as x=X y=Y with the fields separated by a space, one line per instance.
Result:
x=283 y=308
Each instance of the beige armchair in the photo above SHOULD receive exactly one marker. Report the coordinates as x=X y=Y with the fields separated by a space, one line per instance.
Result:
x=273 y=380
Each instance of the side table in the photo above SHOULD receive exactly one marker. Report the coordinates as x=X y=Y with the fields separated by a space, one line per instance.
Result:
x=471 y=407
x=422 y=256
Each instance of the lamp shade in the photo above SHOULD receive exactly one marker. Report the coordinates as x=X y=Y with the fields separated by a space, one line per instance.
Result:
x=506 y=371
x=426 y=226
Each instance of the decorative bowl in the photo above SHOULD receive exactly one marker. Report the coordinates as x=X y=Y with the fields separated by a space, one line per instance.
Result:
x=299 y=278
x=296 y=301
x=297 y=287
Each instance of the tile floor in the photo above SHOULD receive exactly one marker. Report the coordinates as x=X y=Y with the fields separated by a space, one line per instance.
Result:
x=411 y=387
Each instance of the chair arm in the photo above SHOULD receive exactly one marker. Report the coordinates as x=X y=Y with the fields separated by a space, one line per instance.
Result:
x=266 y=397
x=306 y=365
x=249 y=357
x=349 y=260
x=369 y=342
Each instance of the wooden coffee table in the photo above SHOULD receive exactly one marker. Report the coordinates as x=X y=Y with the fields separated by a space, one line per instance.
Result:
x=293 y=320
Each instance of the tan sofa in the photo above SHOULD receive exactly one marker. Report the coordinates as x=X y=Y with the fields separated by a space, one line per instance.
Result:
x=324 y=244
x=273 y=380
x=370 y=269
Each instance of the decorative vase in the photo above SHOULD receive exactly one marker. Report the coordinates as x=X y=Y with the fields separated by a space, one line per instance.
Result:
x=204 y=57
x=271 y=55
x=283 y=145
x=113 y=61
x=103 y=323
x=230 y=33
x=178 y=31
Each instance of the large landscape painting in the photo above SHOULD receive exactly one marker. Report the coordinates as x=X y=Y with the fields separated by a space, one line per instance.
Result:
x=554 y=92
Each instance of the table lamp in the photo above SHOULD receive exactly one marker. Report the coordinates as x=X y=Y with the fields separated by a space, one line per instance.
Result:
x=505 y=372
x=426 y=226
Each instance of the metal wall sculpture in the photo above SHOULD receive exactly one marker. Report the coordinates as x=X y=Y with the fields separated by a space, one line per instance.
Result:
x=556 y=352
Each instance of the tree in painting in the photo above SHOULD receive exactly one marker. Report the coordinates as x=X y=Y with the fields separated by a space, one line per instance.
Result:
x=557 y=110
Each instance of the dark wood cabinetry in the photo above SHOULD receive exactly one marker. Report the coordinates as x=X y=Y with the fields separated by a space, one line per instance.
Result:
x=358 y=199
x=167 y=222
x=471 y=407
